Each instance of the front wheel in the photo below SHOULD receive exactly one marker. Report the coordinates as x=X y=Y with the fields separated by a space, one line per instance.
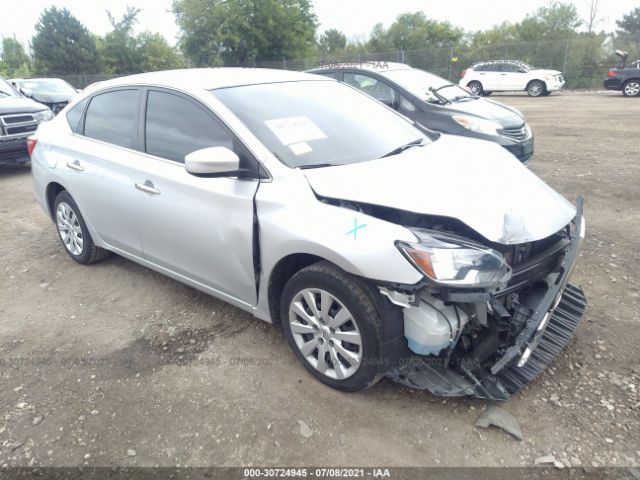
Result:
x=333 y=327
x=631 y=88
x=536 y=88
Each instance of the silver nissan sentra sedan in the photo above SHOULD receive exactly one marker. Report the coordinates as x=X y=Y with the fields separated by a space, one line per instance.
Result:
x=381 y=248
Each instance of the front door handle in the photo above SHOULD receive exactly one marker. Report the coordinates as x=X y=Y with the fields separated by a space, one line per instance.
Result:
x=75 y=165
x=147 y=187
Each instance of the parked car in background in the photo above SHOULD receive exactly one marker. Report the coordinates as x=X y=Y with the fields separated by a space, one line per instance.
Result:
x=55 y=93
x=19 y=118
x=436 y=103
x=625 y=78
x=380 y=248
x=485 y=78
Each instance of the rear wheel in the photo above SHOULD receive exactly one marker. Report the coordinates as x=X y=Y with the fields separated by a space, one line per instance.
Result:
x=333 y=327
x=73 y=231
x=631 y=88
x=536 y=88
x=475 y=87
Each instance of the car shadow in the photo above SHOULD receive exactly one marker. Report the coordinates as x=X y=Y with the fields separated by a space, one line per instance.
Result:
x=9 y=171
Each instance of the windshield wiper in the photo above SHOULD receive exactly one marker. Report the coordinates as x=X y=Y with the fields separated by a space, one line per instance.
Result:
x=416 y=143
x=318 y=165
x=440 y=97
x=449 y=100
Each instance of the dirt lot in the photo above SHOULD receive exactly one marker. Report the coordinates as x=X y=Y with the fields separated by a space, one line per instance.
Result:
x=115 y=364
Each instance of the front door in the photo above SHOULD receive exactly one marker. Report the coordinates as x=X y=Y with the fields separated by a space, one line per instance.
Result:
x=198 y=228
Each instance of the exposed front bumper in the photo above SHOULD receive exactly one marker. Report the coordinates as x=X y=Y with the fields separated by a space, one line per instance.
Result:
x=545 y=334
x=13 y=151
x=523 y=151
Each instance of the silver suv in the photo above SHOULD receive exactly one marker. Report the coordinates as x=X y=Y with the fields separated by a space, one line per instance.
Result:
x=380 y=248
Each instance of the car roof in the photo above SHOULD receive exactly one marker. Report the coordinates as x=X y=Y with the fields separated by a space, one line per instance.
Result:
x=368 y=65
x=210 y=78
x=519 y=62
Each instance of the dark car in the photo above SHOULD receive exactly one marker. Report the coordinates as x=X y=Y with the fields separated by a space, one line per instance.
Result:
x=436 y=103
x=625 y=78
x=55 y=93
x=19 y=118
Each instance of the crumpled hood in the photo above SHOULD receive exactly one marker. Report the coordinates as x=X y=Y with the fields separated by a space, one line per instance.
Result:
x=51 y=97
x=474 y=181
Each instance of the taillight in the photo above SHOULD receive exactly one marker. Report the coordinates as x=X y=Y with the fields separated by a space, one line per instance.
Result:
x=463 y=73
x=611 y=73
x=31 y=144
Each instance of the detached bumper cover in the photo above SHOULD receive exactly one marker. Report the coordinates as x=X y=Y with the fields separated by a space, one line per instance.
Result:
x=546 y=333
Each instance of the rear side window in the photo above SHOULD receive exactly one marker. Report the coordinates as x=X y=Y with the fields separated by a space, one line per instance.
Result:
x=372 y=86
x=176 y=127
x=329 y=74
x=75 y=114
x=112 y=117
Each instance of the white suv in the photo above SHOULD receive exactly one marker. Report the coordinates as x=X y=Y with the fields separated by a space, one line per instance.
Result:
x=510 y=75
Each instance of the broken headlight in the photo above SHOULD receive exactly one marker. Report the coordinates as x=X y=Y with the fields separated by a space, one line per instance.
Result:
x=456 y=262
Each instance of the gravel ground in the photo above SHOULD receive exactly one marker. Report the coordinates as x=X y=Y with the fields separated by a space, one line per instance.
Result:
x=115 y=364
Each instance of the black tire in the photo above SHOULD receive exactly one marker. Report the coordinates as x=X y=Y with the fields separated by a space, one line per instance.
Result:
x=357 y=297
x=536 y=88
x=475 y=87
x=631 y=88
x=90 y=253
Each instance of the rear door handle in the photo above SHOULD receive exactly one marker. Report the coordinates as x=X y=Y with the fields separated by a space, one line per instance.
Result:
x=75 y=165
x=147 y=187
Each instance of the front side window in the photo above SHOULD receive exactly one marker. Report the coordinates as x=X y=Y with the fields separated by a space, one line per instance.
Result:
x=176 y=127
x=317 y=122
x=113 y=117
x=372 y=86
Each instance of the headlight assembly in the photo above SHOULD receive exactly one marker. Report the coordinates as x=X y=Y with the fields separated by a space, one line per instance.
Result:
x=43 y=116
x=456 y=262
x=477 y=125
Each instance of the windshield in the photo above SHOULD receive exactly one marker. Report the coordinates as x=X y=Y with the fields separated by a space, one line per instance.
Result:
x=419 y=82
x=53 y=86
x=318 y=123
x=6 y=90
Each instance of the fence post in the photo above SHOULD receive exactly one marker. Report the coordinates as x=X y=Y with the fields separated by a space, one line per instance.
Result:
x=564 y=65
x=450 y=60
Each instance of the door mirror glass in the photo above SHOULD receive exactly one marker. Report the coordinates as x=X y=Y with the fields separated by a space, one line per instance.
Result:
x=26 y=92
x=212 y=162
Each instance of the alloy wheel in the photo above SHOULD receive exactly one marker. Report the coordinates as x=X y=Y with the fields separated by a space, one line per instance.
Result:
x=535 y=89
x=632 y=89
x=325 y=333
x=69 y=229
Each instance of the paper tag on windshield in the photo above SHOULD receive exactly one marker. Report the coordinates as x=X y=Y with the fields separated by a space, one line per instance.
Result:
x=295 y=130
x=300 y=148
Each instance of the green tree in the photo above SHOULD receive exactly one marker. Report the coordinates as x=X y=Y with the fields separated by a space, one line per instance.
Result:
x=555 y=21
x=629 y=24
x=157 y=54
x=241 y=32
x=14 y=61
x=413 y=31
x=120 y=52
x=332 y=41
x=62 y=44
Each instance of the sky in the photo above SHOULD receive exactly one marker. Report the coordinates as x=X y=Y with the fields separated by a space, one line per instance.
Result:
x=353 y=17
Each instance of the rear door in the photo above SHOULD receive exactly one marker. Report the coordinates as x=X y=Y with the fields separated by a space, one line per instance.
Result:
x=97 y=164
x=198 y=228
x=488 y=76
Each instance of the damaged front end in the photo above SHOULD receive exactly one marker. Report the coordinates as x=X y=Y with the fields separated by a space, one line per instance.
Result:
x=487 y=319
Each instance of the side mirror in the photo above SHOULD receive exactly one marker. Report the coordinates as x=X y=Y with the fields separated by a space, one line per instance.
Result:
x=26 y=92
x=212 y=162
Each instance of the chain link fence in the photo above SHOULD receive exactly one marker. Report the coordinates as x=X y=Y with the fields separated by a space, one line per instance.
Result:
x=584 y=61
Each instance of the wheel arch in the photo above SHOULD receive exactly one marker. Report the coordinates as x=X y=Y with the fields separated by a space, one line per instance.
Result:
x=281 y=273
x=544 y=84
x=51 y=192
